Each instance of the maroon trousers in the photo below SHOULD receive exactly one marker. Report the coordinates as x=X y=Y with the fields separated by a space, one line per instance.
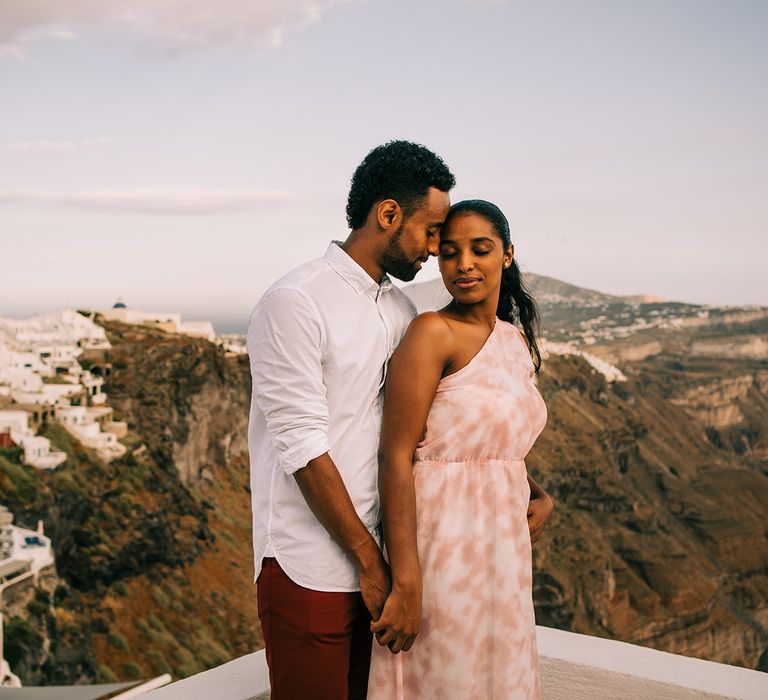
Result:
x=318 y=643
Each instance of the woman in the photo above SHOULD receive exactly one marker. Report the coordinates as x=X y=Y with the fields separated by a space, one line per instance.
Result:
x=459 y=511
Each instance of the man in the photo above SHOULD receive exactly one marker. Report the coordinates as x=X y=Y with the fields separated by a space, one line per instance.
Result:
x=319 y=342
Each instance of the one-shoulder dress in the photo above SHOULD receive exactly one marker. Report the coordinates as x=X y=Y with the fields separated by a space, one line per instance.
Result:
x=478 y=636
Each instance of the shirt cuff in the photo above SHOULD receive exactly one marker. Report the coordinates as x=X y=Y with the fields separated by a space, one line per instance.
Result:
x=295 y=458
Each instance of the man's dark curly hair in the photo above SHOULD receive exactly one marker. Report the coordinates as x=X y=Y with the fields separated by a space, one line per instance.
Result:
x=398 y=170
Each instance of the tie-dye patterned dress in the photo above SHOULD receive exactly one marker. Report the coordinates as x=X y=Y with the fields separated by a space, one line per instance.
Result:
x=477 y=638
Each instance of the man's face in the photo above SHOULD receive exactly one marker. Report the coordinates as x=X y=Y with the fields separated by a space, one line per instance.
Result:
x=417 y=238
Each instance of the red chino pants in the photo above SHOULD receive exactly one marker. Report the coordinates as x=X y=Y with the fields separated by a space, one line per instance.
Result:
x=318 y=643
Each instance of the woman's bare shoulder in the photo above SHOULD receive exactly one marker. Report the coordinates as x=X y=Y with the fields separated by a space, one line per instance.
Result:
x=431 y=326
x=428 y=342
x=428 y=335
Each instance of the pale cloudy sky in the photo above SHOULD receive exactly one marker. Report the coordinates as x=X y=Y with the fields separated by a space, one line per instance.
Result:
x=182 y=154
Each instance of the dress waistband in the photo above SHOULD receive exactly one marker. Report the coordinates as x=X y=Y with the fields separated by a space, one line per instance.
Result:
x=479 y=460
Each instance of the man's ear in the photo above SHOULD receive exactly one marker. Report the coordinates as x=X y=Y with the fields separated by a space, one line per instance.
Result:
x=389 y=214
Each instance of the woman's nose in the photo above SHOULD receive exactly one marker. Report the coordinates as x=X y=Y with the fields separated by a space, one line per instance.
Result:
x=465 y=263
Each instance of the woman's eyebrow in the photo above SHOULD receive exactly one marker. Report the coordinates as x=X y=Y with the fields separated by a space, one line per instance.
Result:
x=479 y=239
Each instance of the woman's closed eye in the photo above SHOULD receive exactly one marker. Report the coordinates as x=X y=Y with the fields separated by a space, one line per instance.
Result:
x=452 y=253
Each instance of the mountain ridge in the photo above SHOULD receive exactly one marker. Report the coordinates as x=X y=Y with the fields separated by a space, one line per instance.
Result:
x=660 y=482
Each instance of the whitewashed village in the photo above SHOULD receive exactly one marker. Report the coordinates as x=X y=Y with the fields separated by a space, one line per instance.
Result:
x=52 y=370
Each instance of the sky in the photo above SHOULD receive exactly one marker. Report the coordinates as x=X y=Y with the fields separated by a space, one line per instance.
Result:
x=183 y=154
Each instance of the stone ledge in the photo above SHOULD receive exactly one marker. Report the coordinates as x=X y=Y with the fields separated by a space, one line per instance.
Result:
x=573 y=667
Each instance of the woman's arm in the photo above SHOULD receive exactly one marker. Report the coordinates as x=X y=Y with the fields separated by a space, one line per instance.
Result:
x=414 y=373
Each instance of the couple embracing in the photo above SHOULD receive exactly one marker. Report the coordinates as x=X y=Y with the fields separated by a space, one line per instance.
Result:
x=392 y=510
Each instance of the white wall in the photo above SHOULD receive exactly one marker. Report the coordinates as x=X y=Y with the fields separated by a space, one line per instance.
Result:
x=136 y=316
x=573 y=667
x=14 y=421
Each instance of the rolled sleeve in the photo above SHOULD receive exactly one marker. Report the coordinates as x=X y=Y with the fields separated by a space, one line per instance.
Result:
x=285 y=341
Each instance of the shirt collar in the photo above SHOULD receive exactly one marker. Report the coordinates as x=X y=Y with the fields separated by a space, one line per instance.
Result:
x=353 y=274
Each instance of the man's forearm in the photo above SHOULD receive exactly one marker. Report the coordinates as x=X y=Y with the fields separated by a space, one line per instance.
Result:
x=327 y=496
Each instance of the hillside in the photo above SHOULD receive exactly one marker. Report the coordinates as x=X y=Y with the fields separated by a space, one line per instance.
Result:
x=658 y=537
x=427 y=295
x=583 y=316
x=661 y=481
x=151 y=547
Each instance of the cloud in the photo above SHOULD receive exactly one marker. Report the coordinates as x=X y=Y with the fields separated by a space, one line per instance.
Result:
x=47 y=147
x=60 y=34
x=12 y=51
x=146 y=201
x=175 y=23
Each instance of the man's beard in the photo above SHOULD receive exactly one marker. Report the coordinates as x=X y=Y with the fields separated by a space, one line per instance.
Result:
x=394 y=260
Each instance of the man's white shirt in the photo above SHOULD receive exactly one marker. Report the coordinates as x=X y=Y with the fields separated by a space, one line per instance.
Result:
x=319 y=341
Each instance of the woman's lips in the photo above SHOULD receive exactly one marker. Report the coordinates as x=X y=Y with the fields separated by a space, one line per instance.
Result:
x=466 y=283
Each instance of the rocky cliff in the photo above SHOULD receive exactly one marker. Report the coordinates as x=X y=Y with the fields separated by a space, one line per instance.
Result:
x=153 y=549
x=658 y=538
x=661 y=483
x=659 y=535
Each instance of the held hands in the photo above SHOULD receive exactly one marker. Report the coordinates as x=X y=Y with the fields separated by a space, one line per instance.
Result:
x=540 y=507
x=398 y=625
x=373 y=573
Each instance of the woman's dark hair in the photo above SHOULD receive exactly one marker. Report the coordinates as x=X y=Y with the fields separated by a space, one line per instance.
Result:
x=516 y=305
x=398 y=170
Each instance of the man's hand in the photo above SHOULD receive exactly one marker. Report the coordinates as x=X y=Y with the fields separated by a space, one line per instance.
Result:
x=399 y=623
x=540 y=507
x=327 y=496
x=373 y=573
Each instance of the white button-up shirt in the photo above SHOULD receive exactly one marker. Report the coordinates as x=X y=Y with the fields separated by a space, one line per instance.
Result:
x=319 y=341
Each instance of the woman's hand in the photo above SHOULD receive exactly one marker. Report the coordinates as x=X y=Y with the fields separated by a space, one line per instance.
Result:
x=399 y=623
x=540 y=507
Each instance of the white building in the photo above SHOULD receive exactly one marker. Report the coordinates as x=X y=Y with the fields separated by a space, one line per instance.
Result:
x=168 y=322
x=7 y=678
x=16 y=423
x=37 y=453
x=105 y=444
x=29 y=378
x=81 y=422
x=21 y=379
x=65 y=327
x=59 y=355
x=120 y=312
x=198 y=329
x=92 y=385
x=49 y=345
x=47 y=394
x=24 y=554
x=37 y=449
x=233 y=343
x=11 y=359
x=30 y=547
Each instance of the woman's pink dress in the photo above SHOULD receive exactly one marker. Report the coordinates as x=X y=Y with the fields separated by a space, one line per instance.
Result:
x=478 y=637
